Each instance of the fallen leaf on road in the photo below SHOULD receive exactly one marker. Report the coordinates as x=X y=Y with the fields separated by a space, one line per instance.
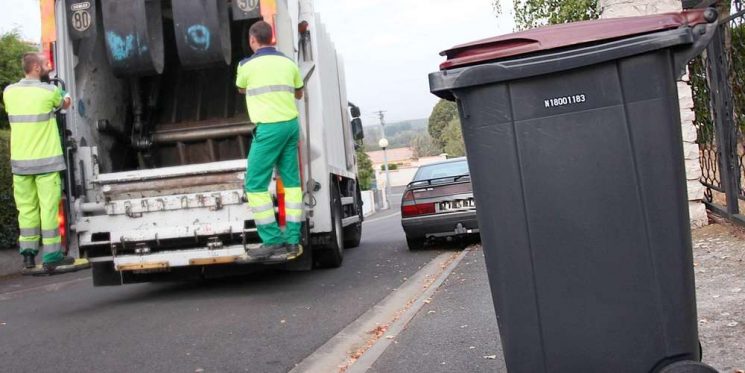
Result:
x=471 y=348
x=378 y=331
x=427 y=301
x=389 y=337
x=430 y=312
x=490 y=357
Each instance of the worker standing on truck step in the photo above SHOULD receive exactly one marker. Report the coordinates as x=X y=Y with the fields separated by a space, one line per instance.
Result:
x=271 y=82
x=36 y=160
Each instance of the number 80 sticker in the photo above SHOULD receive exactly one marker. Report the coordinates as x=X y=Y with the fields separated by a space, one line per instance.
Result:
x=248 y=5
x=81 y=17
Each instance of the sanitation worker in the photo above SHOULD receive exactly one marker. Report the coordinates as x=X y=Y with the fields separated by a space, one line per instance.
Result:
x=36 y=160
x=271 y=82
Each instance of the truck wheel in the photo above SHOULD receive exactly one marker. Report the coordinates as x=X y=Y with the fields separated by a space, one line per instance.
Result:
x=333 y=254
x=415 y=243
x=104 y=274
x=352 y=235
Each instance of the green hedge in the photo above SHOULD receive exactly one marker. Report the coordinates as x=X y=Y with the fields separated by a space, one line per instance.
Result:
x=8 y=213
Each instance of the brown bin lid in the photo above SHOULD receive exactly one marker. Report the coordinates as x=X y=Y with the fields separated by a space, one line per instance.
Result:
x=564 y=35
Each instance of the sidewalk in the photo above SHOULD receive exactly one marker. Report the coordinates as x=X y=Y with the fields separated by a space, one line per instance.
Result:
x=457 y=331
x=10 y=262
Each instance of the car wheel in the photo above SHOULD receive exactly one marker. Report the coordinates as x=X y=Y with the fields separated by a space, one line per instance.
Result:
x=415 y=243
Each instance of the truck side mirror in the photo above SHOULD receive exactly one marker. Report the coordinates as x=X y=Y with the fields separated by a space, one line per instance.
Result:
x=355 y=111
x=357 y=131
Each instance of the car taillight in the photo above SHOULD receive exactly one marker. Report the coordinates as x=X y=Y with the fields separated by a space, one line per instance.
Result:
x=408 y=196
x=415 y=210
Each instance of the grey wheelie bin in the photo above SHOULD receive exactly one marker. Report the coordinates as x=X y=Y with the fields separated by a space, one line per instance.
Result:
x=574 y=143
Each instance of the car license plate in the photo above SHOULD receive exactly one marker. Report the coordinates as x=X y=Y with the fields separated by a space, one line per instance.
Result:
x=457 y=204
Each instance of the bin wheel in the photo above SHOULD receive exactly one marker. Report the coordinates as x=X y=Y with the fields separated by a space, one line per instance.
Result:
x=415 y=243
x=688 y=367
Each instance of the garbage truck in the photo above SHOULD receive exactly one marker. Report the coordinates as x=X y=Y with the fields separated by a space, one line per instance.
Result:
x=157 y=138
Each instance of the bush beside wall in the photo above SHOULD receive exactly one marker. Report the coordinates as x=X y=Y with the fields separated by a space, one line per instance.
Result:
x=8 y=212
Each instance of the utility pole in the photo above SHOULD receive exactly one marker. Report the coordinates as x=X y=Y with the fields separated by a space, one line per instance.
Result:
x=383 y=143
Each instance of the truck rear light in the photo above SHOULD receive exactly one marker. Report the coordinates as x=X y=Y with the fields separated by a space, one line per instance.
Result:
x=416 y=210
x=282 y=214
x=268 y=9
x=62 y=223
x=48 y=30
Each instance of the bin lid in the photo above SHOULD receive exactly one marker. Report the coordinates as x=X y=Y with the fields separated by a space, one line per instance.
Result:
x=565 y=35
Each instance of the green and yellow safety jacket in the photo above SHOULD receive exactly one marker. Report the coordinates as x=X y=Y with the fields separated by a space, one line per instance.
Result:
x=35 y=146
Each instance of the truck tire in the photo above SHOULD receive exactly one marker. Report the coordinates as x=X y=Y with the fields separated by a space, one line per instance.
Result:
x=333 y=254
x=353 y=233
x=104 y=274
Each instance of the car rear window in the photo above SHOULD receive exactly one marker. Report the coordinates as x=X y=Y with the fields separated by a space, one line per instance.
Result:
x=435 y=171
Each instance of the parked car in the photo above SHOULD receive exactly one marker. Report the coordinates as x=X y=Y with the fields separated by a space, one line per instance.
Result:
x=439 y=203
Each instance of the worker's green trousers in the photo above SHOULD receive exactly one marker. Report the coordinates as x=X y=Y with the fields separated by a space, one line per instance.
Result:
x=275 y=144
x=37 y=200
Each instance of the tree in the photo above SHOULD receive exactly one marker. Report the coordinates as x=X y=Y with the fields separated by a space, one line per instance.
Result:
x=442 y=114
x=425 y=146
x=12 y=49
x=453 y=137
x=534 y=13
x=365 y=170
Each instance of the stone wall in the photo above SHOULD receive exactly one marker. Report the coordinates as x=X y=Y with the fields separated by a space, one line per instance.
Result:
x=630 y=8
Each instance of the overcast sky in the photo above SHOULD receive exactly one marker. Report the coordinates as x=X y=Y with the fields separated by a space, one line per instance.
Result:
x=389 y=46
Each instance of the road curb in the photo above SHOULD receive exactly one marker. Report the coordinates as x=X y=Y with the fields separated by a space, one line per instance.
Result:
x=362 y=342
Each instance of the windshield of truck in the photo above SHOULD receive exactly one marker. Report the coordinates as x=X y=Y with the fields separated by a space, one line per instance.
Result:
x=442 y=170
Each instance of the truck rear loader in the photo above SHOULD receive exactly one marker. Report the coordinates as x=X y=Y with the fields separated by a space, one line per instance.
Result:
x=157 y=138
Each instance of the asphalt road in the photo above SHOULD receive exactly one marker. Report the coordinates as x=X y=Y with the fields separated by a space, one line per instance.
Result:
x=266 y=322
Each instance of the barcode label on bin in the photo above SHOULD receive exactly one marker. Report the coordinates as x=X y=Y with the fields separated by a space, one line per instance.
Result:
x=563 y=101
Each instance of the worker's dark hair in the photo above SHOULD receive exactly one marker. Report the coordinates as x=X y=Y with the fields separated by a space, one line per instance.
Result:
x=29 y=60
x=262 y=31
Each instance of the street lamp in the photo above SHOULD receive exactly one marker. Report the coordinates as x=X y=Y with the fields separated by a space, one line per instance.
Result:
x=383 y=143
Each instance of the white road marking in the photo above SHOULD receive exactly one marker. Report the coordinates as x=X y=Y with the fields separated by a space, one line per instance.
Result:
x=45 y=288
x=383 y=218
